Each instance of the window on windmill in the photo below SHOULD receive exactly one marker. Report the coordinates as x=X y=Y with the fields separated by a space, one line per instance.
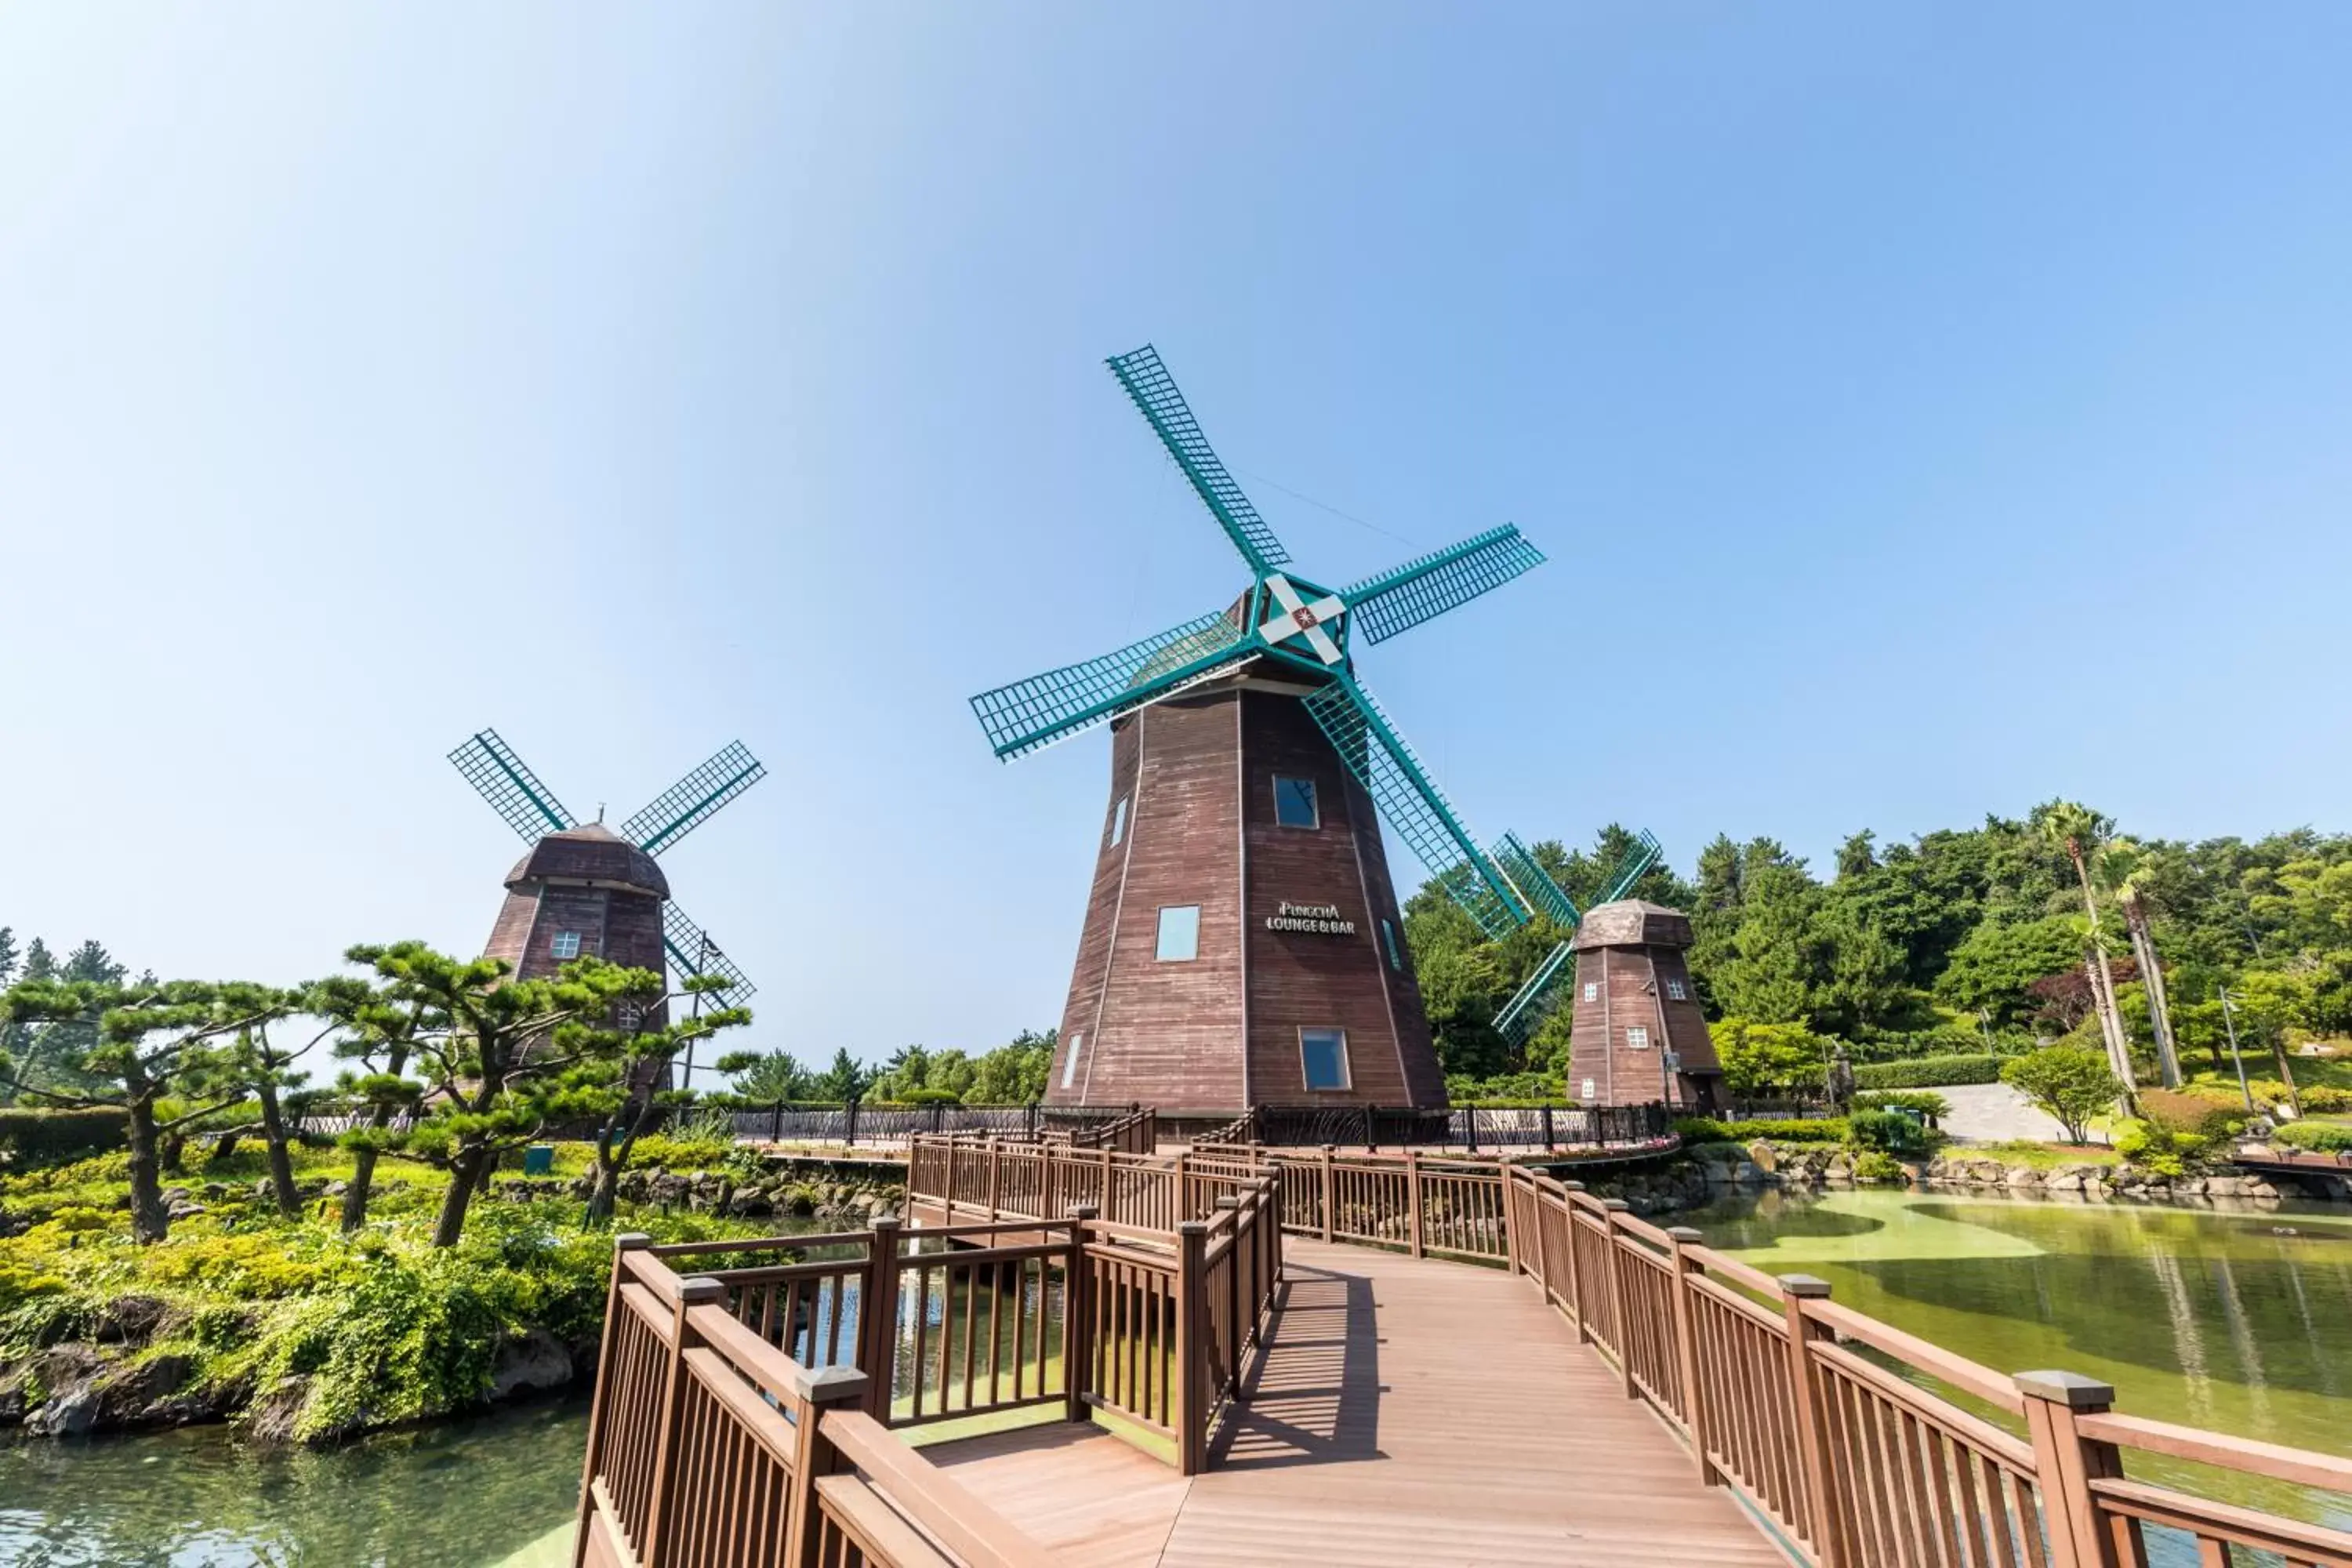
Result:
x=567 y=944
x=1179 y=933
x=1593 y=991
x=1294 y=803
x=1637 y=1039
x=1119 y=822
x=631 y=1015
x=1388 y=935
x=1676 y=991
x=1323 y=1057
x=1070 y=1062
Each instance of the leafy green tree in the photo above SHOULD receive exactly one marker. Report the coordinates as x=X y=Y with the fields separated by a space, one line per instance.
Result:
x=2082 y=831
x=770 y=1076
x=135 y=1045
x=1763 y=1060
x=2072 y=1083
x=615 y=1083
x=503 y=1056
x=261 y=1064
x=844 y=1079
x=1776 y=965
x=1857 y=857
x=1989 y=972
x=2124 y=871
x=1014 y=1073
x=8 y=956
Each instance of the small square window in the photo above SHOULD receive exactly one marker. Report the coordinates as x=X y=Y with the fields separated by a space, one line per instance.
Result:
x=1637 y=1039
x=1119 y=822
x=1593 y=991
x=1678 y=992
x=1396 y=958
x=1070 y=1062
x=567 y=944
x=1179 y=933
x=1294 y=803
x=1323 y=1057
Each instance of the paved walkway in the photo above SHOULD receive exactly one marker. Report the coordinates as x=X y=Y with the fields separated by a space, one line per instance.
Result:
x=1406 y=1413
x=1996 y=1113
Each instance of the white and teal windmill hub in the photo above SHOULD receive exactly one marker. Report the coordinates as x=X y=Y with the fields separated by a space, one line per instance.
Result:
x=1303 y=626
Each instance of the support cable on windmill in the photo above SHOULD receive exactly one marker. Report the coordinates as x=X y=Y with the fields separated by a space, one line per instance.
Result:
x=1244 y=944
x=585 y=888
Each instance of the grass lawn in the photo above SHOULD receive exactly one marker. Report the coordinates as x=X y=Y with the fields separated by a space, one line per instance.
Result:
x=2040 y=1156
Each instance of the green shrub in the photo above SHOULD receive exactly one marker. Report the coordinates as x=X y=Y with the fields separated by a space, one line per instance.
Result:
x=2322 y=1137
x=1930 y=1105
x=2157 y=1150
x=1892 y=1133
x=2328 y=1100
x=1876 y=1165
x=55 y=1137
x=1707 y=1130
x=673 y=1152
x=2072 y=1083
x=1930 y=1072
x=2202 y=1115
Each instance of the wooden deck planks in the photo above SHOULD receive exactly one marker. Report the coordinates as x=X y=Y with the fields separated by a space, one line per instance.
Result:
x=1407 y=1413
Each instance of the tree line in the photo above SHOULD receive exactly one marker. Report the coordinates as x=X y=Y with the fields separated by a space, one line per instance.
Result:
x=2052 y=928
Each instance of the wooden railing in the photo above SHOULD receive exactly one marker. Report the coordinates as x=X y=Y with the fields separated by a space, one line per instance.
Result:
x=1840 y=1430
x=1451 y=1207
x=707 y=1444
x=1174 y=1280
x=1626 y=1129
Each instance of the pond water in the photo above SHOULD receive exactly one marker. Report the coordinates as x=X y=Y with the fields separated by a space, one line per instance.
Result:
x=459 y=1494
x=2240 y=1320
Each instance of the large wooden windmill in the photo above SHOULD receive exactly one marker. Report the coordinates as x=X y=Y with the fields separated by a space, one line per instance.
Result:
x=1244 y=944
x=585 y=889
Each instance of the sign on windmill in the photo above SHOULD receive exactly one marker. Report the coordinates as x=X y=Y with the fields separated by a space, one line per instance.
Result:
x=1250 y=771
x=585 y=888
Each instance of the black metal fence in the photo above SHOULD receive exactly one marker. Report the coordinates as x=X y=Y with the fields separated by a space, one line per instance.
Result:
x=1462 y=1126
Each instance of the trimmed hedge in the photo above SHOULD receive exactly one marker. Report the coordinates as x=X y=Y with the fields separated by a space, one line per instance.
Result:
x=1792 y=1130
x=2323 y=1137
x=53 y=1137
x=1930 y=1072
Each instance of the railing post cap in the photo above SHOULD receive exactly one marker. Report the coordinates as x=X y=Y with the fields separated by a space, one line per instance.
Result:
x=1193 y=1227
x=700 y=1289
x=1804 y=1285
x=1229 y=1201
x=632 y=1241
x=1615 y=1205
x=1572 y=1186
x=2071 y=1389
x=887 y=1221
x=828 y=1384
x=1685 y=1234
x=1086 y=1211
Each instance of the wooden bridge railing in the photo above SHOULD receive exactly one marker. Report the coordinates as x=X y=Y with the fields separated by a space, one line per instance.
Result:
x=1450 y=1207
x=1173 y=1281
x=709 y=1445
x=1838 y=1429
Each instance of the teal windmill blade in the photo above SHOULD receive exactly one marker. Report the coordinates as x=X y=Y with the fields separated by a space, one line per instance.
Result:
x=693 y=799
x=1400 y=789
x=514 y=792
x=695 y=955
x=1637 y=861
x=1421 y=590
x=1154 y=391
x=1535 y=1000
x=1536 y=888
x=1034 y=713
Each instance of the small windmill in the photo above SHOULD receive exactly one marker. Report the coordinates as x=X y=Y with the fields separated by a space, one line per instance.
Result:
x=1288 y=635
x=583 y=888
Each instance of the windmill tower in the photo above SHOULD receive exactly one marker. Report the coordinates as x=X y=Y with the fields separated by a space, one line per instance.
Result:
x=1243 y=944
x=1639 y=1034
x=583 y=889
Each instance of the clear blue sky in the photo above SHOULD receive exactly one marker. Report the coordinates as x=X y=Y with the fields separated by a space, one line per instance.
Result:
x=1927 y=410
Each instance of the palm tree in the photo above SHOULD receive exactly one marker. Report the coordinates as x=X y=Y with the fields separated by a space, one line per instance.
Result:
x=2127 y=871
x=2079 y=830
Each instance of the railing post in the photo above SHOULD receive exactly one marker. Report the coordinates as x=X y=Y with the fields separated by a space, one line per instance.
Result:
x=1237 y=1327
x=1470 y=1127
x=1029 y=1121
x=2066 y=1463
x=995 y=1175
x=691 y=1293
x=1183 y=1192
x=624 y=1244
x=1109 y=1209
x=1569 y=1191
x=817 y=1393
x=1611 y=1208
x=1687 y=1347
x=1328 y=1195
x=1534 y=1213
x=849 y=1131
x=1078 y=1316
x=776 y=1124
x=1548 y=1144
x=1191 y=1341
x=947 y=1190
x=1412 y=1196
x=1826 y=1510
x=878 y=1316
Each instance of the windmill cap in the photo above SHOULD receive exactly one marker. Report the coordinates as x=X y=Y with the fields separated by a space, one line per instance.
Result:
x=1633 y=922
x=591 y=855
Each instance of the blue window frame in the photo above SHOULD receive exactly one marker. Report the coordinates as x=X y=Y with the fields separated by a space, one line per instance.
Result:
x=1119 y=822
x=1323 y=1057
x=567 y=944
x=1294 y=803
x=1179 y=933
x=1388 y=935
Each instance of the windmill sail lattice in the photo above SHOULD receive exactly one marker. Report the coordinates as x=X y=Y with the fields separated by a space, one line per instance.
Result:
x=514 y=792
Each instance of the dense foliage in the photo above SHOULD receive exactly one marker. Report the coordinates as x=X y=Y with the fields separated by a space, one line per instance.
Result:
x=1966 y=942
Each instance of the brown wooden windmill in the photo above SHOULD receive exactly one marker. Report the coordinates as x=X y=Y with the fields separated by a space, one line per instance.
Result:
x=1243 y=944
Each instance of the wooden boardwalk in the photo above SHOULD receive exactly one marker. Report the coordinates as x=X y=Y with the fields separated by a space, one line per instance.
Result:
x=1406 y=1412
